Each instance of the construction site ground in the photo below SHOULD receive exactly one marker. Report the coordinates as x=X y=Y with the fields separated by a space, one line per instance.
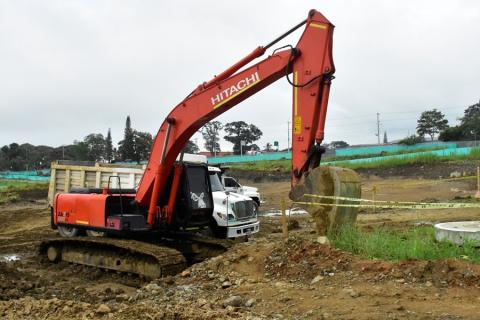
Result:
x=267 y=277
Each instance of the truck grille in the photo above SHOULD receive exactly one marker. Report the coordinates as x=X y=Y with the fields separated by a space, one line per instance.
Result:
x=244 y=209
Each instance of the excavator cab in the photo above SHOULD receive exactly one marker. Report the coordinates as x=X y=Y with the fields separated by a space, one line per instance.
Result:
x=194 y=202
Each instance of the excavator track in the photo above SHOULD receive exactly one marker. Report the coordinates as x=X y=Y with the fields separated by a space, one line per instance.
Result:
x=130 y=256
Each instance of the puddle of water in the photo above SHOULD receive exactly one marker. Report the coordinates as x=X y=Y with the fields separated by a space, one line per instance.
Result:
x=9 y=258
x=292 y=212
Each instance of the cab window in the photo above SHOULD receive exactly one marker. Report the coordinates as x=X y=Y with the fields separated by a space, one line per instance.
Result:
x=231 y=183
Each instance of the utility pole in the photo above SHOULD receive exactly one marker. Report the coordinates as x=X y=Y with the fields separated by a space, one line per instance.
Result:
x=288 y=136
x=378 y=127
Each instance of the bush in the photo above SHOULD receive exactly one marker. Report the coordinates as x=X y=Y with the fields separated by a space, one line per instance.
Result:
x=411 y=140
x=452 y=134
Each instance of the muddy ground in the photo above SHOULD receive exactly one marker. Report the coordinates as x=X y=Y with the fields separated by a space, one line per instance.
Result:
x=265 y=278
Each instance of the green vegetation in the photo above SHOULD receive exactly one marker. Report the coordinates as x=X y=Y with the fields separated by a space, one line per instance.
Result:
x=11 y=190
x=284 y=165
x=407 y=161
x=384 y=153
x=417 y=243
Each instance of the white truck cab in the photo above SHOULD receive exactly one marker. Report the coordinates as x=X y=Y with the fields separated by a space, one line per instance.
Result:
x=233 y=186
x=235 y=214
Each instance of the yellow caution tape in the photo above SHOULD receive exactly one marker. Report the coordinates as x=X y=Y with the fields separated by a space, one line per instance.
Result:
x=387 y=204
x=413 y=183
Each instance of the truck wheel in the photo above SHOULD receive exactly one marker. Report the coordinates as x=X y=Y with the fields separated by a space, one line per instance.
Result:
x=68 y=232
x=218 y=232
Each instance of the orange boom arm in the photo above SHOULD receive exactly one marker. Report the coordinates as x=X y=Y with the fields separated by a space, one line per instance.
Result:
x=312 y=67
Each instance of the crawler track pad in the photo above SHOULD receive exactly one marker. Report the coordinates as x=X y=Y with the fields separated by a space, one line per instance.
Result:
x=329 y=181
x=148 y=260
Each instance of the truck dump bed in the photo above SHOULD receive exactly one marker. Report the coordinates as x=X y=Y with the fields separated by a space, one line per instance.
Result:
x=66 y=175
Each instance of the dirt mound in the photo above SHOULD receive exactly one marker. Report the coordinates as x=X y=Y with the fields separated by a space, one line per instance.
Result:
x=304 y=260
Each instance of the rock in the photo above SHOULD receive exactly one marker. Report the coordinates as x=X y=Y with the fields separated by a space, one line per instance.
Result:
x=316 y=279
x=103 y=308
x=250 y=302
x=234 y=301
x=352 y=293
x=293 y=224
x=169 y=280
x=201 y=302
x=28 y=308
x=428 y=283
x=226 y=284
x=185 y=273
x=151 y=287
x=211 y=274
x=455 y=174
x=323 y=240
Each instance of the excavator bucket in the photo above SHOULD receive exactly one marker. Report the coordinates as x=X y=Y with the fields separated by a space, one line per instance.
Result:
x=322 y=191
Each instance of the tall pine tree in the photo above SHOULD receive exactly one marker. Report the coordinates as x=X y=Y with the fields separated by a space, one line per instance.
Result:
x=127 y=145
x=108 y=147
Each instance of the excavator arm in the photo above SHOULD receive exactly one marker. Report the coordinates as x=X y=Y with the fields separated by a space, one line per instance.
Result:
x=308 y=67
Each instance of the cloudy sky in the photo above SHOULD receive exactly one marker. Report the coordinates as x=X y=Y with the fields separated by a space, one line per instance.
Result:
x=70 y=68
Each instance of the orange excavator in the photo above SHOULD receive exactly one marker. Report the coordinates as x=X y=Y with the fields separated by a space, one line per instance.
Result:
x=150 y=228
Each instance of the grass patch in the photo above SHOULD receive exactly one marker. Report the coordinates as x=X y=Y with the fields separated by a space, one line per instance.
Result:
x=408 y=161
x=381 y=154
x=421 y=159
x=11 y=190
x=283 y=166
x=417 y=243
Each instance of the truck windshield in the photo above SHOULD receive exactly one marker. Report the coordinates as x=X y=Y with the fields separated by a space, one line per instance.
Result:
x=215 y=182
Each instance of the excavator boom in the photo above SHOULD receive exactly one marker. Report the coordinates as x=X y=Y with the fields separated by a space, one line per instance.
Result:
x=311 y=64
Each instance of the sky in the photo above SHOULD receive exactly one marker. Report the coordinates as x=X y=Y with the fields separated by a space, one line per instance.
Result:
x=70 y=68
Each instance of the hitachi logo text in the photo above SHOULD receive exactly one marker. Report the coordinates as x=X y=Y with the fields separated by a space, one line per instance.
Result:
x=232 y=91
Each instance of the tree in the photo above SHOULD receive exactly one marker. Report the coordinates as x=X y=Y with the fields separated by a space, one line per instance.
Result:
x=338 y=144
x=210 y=133
x=191 y=147
x=108 y=147
x=470 y=122
x=238 y=131
x=95 y=144
x=431 y=122
x=142 y=143
x=126 y=147
x=385 y=139
x=455 y=133
x=80 y=150
x=268 y=147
